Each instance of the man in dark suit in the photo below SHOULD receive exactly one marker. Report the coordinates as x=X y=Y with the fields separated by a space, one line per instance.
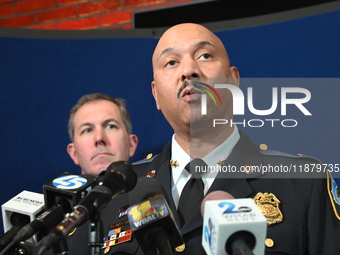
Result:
x=301 y=211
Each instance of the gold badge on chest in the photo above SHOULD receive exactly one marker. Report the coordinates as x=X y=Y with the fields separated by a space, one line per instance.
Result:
x=269 y=204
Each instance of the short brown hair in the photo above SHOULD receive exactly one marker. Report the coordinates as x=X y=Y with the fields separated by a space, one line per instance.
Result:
x=96 y=97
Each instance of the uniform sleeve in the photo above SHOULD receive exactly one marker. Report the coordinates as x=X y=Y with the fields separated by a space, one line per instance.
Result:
x=323 y=219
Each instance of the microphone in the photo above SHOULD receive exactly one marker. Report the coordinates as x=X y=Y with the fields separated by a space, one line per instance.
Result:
x=151 y=219
x=120 y=177
x=60 y=195
x=215 y=195
x=19 y=211
x=68 y=189
x=232 y=226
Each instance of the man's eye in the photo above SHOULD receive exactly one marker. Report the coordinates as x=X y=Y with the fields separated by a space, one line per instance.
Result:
x=205 y=56
x=171 y=63
x=111 y=126
x=86 y=130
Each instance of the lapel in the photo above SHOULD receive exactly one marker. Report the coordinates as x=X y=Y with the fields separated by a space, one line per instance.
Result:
x=161 y=164
x=244 y=153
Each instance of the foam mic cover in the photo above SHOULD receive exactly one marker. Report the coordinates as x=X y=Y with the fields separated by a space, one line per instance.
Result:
x=145 y=188
x=151 y=219
x=233 y=226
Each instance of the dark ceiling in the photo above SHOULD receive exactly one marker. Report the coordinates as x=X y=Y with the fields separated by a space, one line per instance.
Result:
x=215 y=10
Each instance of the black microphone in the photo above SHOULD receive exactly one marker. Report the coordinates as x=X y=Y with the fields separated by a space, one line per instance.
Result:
x=120 y=177
x=18 y=221
x=60 y=194
x=151 y=219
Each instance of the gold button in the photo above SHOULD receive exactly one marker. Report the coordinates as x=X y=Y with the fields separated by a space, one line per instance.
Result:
x=263 y=147
x=107 y=249
x=180 y=248
x=149 y=156
x=269 y=242
x=301 y=155
x=248 y=169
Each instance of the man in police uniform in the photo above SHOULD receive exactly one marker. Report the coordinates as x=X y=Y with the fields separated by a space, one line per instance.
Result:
x=302 y=213
x=100 y=131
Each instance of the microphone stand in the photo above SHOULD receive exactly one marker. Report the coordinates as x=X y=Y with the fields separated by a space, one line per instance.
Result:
x=96 y=235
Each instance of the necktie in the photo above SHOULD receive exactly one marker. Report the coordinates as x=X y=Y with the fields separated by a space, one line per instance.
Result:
x=193 y=191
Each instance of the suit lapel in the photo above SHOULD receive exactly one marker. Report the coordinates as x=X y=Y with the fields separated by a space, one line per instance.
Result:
x=161 y=164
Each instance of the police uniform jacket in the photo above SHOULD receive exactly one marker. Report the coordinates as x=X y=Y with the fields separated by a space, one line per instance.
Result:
x=310 y=223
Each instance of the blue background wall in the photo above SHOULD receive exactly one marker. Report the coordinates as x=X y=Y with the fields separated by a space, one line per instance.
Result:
x=42 y=78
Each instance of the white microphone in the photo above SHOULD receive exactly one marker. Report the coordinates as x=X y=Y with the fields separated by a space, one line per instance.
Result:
x=232 y=226
x=27 y=205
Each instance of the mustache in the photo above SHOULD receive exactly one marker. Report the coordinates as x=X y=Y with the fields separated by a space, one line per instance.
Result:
x=100 y=150
x=195 y=84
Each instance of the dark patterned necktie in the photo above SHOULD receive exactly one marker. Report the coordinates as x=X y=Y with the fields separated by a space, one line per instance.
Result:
x=193 y=191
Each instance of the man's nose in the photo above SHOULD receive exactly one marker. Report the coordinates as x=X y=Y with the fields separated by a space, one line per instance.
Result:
x=100 y=137
x=190 y=69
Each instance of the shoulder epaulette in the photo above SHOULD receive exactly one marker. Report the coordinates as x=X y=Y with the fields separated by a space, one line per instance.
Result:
x=147 y=159
x=269 y=152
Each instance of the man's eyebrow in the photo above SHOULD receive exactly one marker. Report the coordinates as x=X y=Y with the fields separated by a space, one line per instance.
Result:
x=105 y=122
x=199 y=44
x=111 y=120
x=166 y=51
x=85 y=124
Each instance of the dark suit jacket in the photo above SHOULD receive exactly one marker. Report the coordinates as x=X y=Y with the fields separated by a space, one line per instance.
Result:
x=309 y=225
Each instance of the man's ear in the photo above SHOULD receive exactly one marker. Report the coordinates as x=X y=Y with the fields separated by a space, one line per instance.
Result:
x=133 y=144
x=72 y=152
x=235 y=75
x=154 y=93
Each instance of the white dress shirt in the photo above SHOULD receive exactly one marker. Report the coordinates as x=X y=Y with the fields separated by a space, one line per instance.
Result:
x=180 y=176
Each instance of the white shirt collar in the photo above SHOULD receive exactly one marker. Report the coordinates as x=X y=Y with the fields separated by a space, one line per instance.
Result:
x=222 y=152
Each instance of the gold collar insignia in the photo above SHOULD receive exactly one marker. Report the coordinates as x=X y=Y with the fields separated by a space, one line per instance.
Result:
x=174 y=163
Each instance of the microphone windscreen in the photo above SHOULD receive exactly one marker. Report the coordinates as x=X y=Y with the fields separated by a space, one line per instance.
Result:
x=145 y=188
x=127 y=171
x=151 y=218
x=215 y=195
